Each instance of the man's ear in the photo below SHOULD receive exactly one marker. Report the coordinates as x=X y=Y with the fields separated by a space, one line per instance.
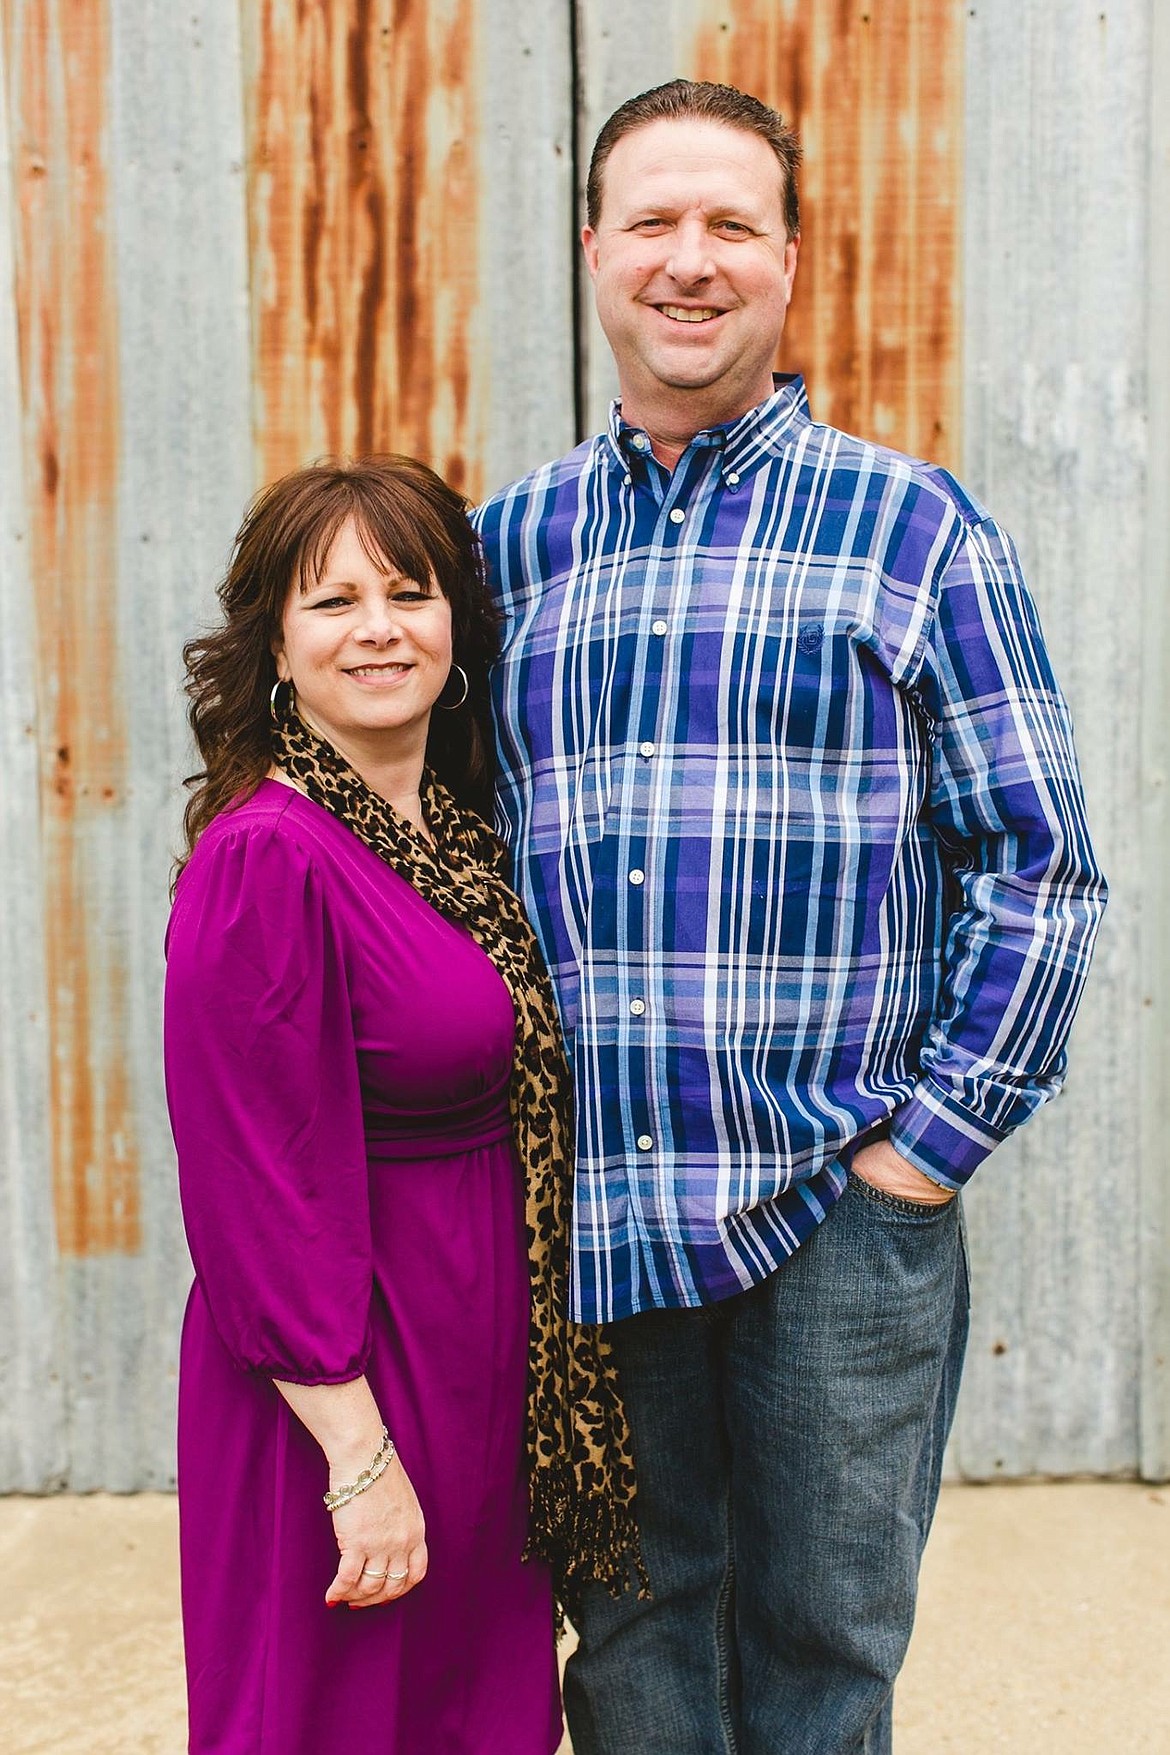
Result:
x=589 y=245
x=791 y=250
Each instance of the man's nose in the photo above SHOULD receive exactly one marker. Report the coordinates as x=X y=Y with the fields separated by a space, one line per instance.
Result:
x=690 y=261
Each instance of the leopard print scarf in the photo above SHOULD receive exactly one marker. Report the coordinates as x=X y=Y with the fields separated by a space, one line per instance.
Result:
x=581 y=1474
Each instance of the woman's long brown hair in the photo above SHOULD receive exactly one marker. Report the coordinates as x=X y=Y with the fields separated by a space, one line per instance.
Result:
x=407 y=518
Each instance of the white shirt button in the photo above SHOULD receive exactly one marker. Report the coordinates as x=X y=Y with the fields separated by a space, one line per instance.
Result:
x=637 y=1006
x=676 y=514
x=645 y=749
x=637 y=877
x=644 y=1142
x=640 y=442
x=732 y=478
x=658 y=627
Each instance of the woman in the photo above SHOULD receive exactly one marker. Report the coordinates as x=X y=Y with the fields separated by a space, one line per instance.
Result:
x=368 y=1097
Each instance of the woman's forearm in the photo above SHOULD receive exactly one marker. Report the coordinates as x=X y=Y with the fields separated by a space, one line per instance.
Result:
x=343 y=1418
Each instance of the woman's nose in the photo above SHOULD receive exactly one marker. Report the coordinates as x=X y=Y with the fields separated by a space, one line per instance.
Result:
x=378 y=625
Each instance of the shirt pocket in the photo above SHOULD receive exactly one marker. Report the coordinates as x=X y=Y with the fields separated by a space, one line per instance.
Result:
x=806 y=689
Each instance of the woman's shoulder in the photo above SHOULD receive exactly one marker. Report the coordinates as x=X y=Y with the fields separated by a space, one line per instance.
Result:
x=275 y=843
x=275 y=840
x=253 y=900
x=267 y=818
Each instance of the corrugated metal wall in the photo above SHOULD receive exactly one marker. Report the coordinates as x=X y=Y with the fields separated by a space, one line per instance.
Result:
x=237 y=235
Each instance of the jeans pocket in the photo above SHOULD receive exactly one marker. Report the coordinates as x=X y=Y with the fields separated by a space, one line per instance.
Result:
x=898 y=1205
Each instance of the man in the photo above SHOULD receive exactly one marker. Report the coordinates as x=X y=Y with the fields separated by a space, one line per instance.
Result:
x=794 y=806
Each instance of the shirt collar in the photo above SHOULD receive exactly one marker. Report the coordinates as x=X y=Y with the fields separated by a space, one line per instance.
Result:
x=743 y=442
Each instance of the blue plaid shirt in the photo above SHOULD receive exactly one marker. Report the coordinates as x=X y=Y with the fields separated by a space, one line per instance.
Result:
x=794 y=808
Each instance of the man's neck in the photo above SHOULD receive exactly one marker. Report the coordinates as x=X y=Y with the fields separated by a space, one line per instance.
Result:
x=671 y=422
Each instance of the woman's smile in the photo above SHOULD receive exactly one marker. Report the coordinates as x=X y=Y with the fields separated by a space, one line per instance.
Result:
x=379 y=673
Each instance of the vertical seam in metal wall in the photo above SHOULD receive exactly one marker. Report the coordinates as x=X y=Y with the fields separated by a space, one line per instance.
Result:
x=32 y=1451
x=959 y=359
x=1154 y=1170
x=247 y=32
x=577 y=151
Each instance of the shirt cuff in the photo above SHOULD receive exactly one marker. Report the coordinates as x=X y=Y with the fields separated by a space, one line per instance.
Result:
x=940 y=1136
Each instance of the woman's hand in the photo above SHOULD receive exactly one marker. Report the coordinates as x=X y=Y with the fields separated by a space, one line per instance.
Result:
x=380 y=1532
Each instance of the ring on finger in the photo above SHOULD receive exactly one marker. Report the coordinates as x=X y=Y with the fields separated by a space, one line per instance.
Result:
x=368 y=1572
x=397 y=1577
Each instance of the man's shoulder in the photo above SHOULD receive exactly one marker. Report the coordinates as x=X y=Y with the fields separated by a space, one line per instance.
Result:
x=537 y=485
x=896 y=472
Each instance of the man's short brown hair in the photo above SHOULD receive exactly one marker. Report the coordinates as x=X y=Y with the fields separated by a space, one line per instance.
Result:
x=682 y=99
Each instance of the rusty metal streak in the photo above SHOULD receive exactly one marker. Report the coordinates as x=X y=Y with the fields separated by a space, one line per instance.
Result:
x=363 y=217
x=58 y=58
x=875 y=92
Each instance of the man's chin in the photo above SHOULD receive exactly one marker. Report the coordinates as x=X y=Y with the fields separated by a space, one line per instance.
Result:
x=688 y=375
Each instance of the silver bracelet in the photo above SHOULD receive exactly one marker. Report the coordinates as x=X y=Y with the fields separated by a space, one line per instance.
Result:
x=342 y=1495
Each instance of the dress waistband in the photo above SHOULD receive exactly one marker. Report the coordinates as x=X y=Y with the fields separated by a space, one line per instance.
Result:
x=397 y=1134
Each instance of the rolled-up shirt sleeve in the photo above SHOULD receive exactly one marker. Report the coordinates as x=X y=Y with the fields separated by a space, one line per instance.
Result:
x=1027 y=893
x=265 y=1104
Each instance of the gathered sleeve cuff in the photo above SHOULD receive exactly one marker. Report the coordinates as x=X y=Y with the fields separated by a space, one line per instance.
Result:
x=265 y=1105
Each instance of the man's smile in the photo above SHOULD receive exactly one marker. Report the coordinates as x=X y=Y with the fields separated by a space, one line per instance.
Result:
x=689 y=313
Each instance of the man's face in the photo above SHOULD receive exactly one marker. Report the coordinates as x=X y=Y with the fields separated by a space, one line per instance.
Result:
x=692 y=267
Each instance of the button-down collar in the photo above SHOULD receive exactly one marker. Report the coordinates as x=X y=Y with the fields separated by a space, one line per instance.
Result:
x=744 y=443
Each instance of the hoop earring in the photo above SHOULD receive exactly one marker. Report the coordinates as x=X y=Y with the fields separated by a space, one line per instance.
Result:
x=280 y=683
x=453 y=706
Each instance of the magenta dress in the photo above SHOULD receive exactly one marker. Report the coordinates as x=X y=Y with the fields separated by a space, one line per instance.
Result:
x=338 y=1059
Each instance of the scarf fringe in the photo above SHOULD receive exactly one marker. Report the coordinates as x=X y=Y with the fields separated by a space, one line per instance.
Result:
x=583 y=1539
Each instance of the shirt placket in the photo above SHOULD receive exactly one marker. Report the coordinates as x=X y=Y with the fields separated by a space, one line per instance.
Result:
x=641 y=977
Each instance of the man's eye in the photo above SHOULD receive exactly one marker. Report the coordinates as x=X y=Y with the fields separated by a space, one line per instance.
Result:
x=734 y=226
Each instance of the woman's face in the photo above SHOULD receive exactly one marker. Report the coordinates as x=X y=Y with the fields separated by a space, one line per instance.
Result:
x=366 y=650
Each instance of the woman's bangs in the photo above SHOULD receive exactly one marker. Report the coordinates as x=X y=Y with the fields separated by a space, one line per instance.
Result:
x=404 y=537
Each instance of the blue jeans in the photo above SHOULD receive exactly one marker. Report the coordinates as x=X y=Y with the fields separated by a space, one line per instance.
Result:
x=789 y=1446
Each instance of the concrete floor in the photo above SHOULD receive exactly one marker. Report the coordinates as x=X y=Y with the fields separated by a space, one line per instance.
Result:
x=1043 y=1629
